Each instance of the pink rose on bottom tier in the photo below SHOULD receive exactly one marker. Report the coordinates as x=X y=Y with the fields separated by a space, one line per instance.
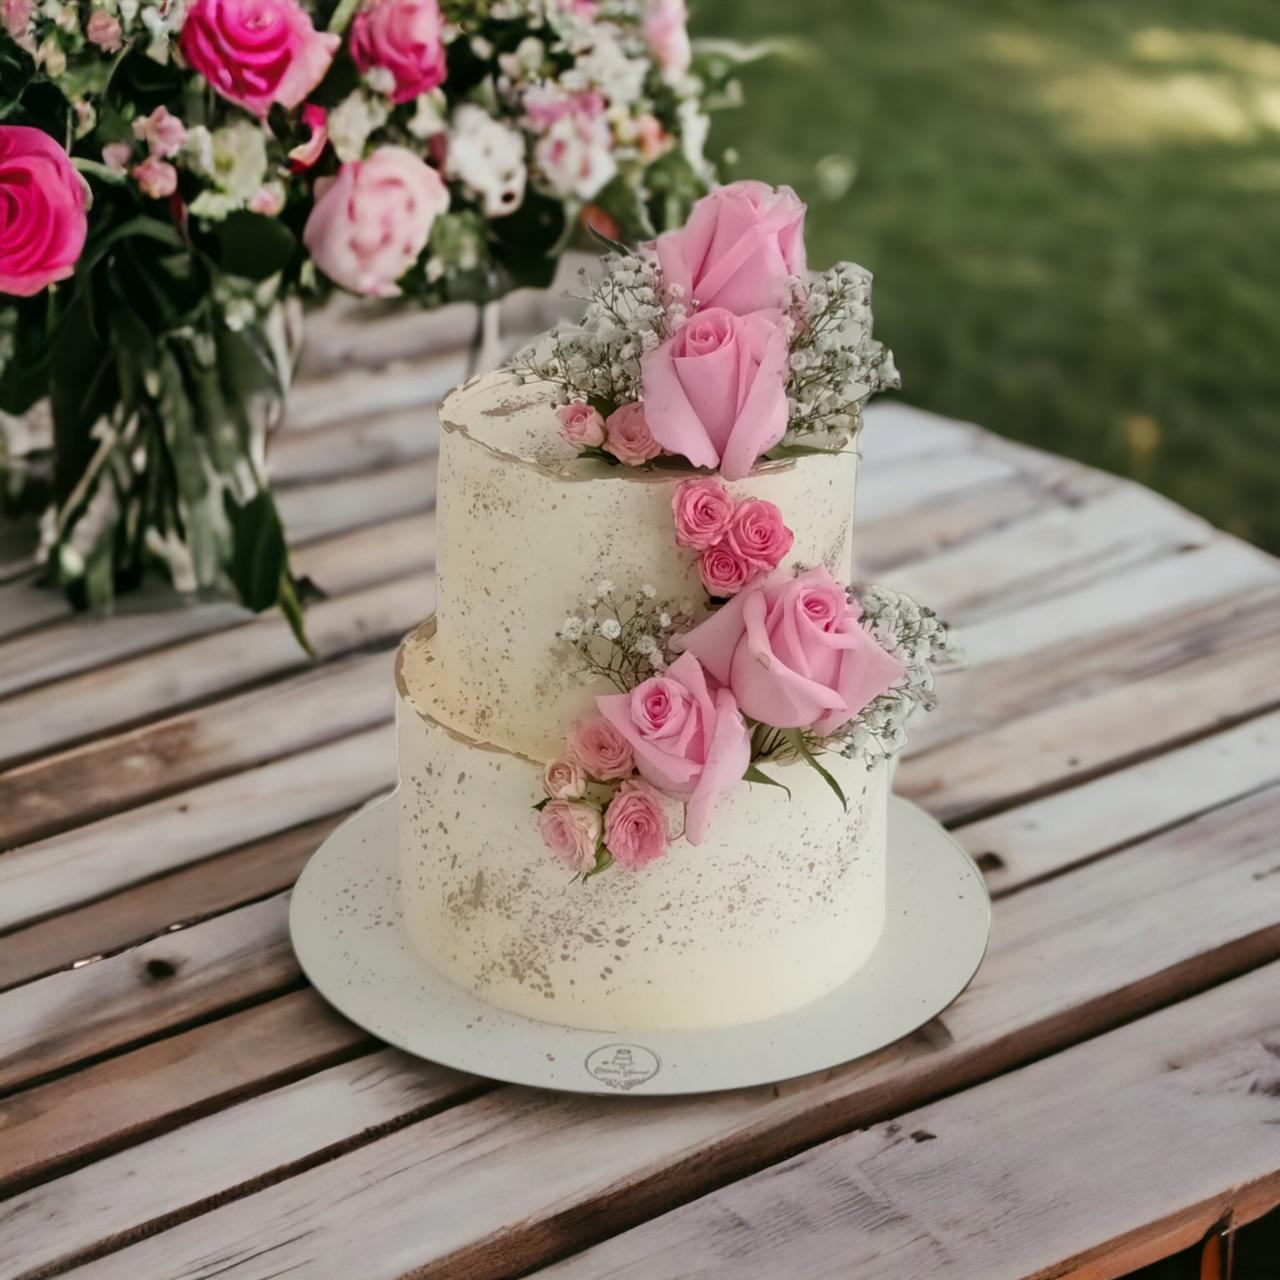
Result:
x=794 y=654
x=635 y=826
x=688 y=741
x=703 y=510
x=572 y=832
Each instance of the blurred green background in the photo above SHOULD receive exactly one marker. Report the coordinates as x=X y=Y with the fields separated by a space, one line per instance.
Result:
x=1072 y=209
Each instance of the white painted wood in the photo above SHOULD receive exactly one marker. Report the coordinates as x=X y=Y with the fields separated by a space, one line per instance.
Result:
x=919 y=482
x=1145 y=595
x=373 y=553
x=317 y=510
x=1047 y=835
x=363 y=395
x=1129 y=1145
x=379 y=442
x=85 y=705
x=486 y=1189
x=894 y=432
x=114 y=852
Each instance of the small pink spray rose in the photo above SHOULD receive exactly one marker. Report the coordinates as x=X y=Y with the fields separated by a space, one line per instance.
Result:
x=723 y=571
x=406 y=38
x=572 y=832
x=157 y=179
x=794 y=653
x=42 y=211
x=103 y=29
x=163 y=132
x=689 y=741
x=600 y=749
x=564 y=780
x=628 y=437
x=582 y=425
x=370 y=223
x=635 y=826
x=758 y=535
x=257 y=52
x=703 y=509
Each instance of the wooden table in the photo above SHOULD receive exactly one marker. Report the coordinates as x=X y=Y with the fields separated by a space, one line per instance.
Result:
x=178 y=1103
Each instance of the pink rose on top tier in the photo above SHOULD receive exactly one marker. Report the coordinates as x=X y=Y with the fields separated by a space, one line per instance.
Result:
x=572 y=832
x=739 y=249
x=372 y=221
x=600 y=749
x=628 y=438
x=582 y=425
x=702 y=510
x=716 y=392
x=404 y=36
x=42 y=214
x=688 y=742
x=257 y=52
x=564 y=780
x=635 y=827
x=757 y=534
x=794 y=654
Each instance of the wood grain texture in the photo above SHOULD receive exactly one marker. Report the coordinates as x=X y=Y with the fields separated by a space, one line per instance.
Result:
x=130 y=768
x=517 y=1177
x=1176 y=1118
x=134 y=1095
x=106 y=856
x=157 y=906
x=122 y=999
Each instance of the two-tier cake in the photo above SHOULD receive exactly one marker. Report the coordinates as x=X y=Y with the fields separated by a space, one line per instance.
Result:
x=644 y=740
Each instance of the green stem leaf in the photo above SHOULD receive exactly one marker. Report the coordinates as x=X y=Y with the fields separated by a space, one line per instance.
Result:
x=797 y=739
x=755 y=774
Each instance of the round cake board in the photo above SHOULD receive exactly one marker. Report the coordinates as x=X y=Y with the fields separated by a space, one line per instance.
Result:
x=345 y=922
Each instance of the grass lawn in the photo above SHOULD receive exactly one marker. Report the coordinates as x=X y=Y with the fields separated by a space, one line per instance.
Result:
x=1072 y=208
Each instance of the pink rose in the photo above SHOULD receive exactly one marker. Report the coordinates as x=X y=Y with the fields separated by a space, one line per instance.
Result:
x=635 y=827
x=572 y=832
x=372 y=221
x=157 y=179
x=702 y=509
x=652 y=140
x=688 y=742
x=738 y=250
x=794 y=654
x=42 y=214
x=628 y=436
x=600 y=749
x=582 y=425
x=103 y=30
x=758 y=535
x=116 y=156
x=564 y=780
x=17 y=17
x=163 y=133
x=723 y=571
x=306 y=154
x=257 y=52
x=403 y=36
x=717 y=391
x=268 y=200
x=666 y=29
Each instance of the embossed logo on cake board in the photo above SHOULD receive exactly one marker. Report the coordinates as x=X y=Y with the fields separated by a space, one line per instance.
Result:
x=623 y=1066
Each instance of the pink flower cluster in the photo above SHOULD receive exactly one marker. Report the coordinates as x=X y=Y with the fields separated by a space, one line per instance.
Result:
x=624 y=433
x=715 y=392
x=736 y=541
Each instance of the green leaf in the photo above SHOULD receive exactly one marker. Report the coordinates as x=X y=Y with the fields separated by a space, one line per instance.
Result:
x=254 y=246
x=604 y=860
x=259 y=557
x=798 y=451
x=542 y=804
x=797 y=738
x=291 y=606
x=755 y=774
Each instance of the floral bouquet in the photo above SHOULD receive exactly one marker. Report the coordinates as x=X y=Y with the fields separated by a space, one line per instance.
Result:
x=173 y=171
x=714 y=347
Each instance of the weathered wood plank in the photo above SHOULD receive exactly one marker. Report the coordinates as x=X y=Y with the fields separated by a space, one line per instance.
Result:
x=1042 y=838
x=368 y=444
x=503 y=1183
x=1175 y=1117
x=129 y=847
x=157 y=906
x=895 y=432
x=176 y=978
x=361 y=395
x=114 y=773
x=1055 y=747
x=919 y=482
x=300 y=1124
x=145 y=624
x=134 y=1095
x=317 y=510
x=88 y=705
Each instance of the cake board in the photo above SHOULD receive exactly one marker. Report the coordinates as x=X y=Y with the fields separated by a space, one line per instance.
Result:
x=344 y=919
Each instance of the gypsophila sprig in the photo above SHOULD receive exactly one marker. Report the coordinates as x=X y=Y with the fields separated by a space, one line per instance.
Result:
x=625 y=638
x=836 y=365
x=921 y=639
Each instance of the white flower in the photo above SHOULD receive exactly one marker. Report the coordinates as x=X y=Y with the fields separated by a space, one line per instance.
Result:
x=607 y=68
x=649 y=591
x=428 y=115
x=235 y=159
x=488 y=157
x=604 y=588
x=352 y=121
x=381 y=80
x=575 y=156
x=571 y=629
x=610 y=629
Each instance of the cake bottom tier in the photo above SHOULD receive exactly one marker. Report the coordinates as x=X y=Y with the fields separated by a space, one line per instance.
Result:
x=780 y=904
